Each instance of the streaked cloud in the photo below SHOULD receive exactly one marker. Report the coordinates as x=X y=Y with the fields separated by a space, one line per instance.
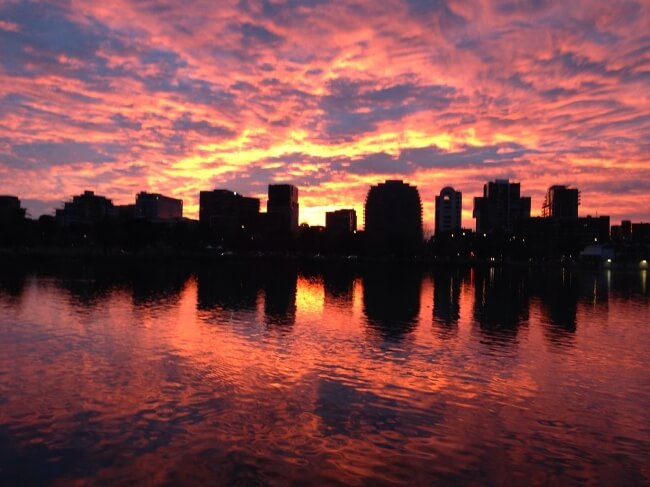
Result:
x=178 y=97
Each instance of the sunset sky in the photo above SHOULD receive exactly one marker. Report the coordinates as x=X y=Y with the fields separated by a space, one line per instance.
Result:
x=177 y=97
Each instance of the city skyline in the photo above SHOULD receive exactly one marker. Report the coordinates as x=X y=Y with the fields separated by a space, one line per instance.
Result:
x=175 y=98
x=426 y=226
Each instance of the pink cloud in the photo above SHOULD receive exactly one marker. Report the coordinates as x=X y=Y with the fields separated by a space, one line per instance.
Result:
x=176 y=98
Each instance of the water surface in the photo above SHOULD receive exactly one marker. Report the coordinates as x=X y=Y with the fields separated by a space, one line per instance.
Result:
x=260 y=374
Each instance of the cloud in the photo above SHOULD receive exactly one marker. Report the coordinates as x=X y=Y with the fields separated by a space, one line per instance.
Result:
x=354 y=107
x=410 y=161
x=66 y=152
x=333 y=96
x=203 y=127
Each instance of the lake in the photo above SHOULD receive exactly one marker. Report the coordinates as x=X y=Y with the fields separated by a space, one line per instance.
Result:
x=258 y=373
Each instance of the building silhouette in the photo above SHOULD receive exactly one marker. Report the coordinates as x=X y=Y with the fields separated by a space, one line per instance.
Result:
x=561 y=202
x=341 y=222
x=10 y=209
x=283 y=209
x=449 y=204
x=227 y=216
x=391 y=301
x=501 y=208
x=592 y=229
x=156 y=207
x=624 y=231
x=641 y=232
x=393 y=218
x=280 y=290
x=446 y=297
x=560 y=231
x=501 y=303
x=12 y=220
x=235 y=287
x=631 y=232
x=86 y=209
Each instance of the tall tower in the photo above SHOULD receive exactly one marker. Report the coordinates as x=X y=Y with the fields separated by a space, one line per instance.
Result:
x=393 y=218
x=501 y=207
x=449 y=205
x=561 y=202
x=283 y=208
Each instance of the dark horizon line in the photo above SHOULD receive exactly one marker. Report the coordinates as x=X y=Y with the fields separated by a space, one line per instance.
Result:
x=290 y=184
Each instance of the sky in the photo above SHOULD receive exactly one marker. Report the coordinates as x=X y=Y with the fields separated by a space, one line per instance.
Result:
x=332 y=96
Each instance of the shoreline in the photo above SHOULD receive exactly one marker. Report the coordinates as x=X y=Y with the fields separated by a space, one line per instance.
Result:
x=13 y=257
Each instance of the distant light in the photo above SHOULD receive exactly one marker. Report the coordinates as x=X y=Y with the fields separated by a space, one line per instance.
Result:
x=485 y=234
x=235 y=193
x=243 y=226
x=595 y=239
x=644 y=262
x=452 y=235
x=609 y=261
x=463 y=234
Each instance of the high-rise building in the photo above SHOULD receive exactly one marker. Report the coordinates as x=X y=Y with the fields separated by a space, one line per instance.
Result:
x=561 y=202
x=154 y=206
x=588 y=229
x=227 y=214
x=282 y=208
x=341 y=222
x=501 y=207
x=10 y=209
x=631 y=232
x=86 y=209
x=393 y=218
x=449 y=205
x=12 y=220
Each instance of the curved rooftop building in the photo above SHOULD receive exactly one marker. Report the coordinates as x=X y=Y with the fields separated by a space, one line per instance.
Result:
x=393 y=218
x=449 y=205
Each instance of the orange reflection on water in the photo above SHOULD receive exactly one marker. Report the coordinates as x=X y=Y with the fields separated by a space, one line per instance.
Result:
x=234 y=375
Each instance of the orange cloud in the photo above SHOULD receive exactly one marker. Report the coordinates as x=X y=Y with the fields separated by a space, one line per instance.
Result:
x=179 y=98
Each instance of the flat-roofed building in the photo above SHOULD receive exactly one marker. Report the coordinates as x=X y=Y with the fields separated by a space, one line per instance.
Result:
x=561 y=202
x=10 y=208
x=341 y=222
x=227 y=214
x=156 y=207
x=86 y=209
x=283 y=208
x=501 y=207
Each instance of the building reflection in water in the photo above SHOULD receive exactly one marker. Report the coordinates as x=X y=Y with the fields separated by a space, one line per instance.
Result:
x=89 y=289
x=181 y=400
x=228 y=288
x=391 y=301
x=593 y=288
x=158 y=285
x=629 y=285
x=501 y=302
x=148 y=284
x=12 y=284
x=558 y=293
x=339 y=287
x=244 y=287
x=446 y=299
x=280 y=288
